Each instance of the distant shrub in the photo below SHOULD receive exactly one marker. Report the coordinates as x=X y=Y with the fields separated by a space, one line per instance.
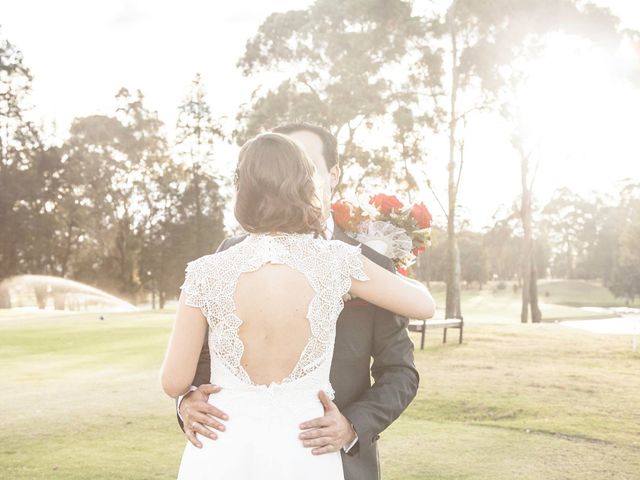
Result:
x=501 y=286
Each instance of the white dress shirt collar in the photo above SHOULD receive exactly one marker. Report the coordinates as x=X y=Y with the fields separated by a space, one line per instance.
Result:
x=329 y=227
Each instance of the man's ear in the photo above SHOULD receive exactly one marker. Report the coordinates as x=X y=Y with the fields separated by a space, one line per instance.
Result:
x=334 y=176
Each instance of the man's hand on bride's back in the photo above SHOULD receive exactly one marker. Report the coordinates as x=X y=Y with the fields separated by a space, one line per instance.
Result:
x=199 y=416
x=328 y=433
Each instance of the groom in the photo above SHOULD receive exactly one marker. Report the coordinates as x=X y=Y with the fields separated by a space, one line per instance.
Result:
x=361 y=410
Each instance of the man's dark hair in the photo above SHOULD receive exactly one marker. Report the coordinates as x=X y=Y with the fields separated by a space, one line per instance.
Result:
x=329 y=142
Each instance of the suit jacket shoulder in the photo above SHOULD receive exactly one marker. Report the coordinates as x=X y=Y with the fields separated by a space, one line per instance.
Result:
x=231 y=241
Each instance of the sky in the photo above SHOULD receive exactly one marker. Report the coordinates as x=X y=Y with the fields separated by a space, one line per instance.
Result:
x=584 y=118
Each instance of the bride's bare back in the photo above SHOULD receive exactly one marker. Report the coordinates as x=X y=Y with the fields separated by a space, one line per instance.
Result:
x=272 y=303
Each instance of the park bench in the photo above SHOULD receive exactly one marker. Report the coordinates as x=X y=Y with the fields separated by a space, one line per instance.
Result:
x=422 y=326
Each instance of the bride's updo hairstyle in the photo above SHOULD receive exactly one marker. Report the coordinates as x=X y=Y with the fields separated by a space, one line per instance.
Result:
x=275 y=191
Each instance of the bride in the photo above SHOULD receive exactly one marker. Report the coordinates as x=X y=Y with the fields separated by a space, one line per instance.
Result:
x=271 y=303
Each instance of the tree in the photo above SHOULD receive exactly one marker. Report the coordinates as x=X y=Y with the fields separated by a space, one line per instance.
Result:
x=571 y=222
x=47 y=251
x=431 y=265
x=625 y=278
x=503 y=245
x=337 y=56
x=533 y=25
x=165 y=246
x=473 y=256
x=478 y=41
x=454 y=71
x=19 y=142
x=147 y=157
x=113 y=167
x=196 y=135
x=96 y=199
x=529 y=273
x=602 y=255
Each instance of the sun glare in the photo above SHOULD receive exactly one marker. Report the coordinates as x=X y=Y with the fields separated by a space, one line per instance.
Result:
x=575 y=106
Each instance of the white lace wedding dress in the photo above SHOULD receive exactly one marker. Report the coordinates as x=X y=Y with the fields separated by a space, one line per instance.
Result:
x=261 y=437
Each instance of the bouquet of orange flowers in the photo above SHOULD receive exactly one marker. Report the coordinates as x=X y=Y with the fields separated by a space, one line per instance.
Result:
x=386 y=225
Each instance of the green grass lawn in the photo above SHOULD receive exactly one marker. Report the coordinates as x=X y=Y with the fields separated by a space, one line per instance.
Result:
x=580 y=293
x=81 y=400
x=559 y=300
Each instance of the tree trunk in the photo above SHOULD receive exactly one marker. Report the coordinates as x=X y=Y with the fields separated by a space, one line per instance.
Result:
x=536 y=315
x=40 y=292
x=529 y=273
x=525 y=211
x=453 y=307
x=569 y=254
x=59 y=300
x=5 y=297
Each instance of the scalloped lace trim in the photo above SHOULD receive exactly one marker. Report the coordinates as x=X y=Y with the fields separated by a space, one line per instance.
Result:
x=328 y=265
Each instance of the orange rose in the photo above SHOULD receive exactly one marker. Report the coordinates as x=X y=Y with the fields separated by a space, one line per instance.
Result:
x=386 y=203
x=421 y=215
x=341 y=213
x=418 y=250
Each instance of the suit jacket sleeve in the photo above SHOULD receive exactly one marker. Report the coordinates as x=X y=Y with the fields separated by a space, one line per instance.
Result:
x=203 y=370
x=395 y=378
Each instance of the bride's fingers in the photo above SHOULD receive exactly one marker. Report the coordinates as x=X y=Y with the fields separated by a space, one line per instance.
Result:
x=207 y=420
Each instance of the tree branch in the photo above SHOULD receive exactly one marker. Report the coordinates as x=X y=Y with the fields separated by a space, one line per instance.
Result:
x=444 y=210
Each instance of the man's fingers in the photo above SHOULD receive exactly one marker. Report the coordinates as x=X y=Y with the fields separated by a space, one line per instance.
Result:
x=207 y=420
x=204 y=431
x=316 y=423
x=209 y=388
x=215 y=412
x=315 y=433
x=191 y=435
x=318 y=442
x=326 y=401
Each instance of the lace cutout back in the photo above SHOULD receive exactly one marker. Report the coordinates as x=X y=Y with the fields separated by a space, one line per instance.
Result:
x=328 y=265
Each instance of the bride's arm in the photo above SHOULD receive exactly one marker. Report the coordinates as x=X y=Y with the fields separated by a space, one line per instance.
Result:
x=185 y=344
x=393 y=292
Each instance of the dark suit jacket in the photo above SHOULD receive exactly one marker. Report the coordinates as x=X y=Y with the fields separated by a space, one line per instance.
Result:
x=364 y=331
